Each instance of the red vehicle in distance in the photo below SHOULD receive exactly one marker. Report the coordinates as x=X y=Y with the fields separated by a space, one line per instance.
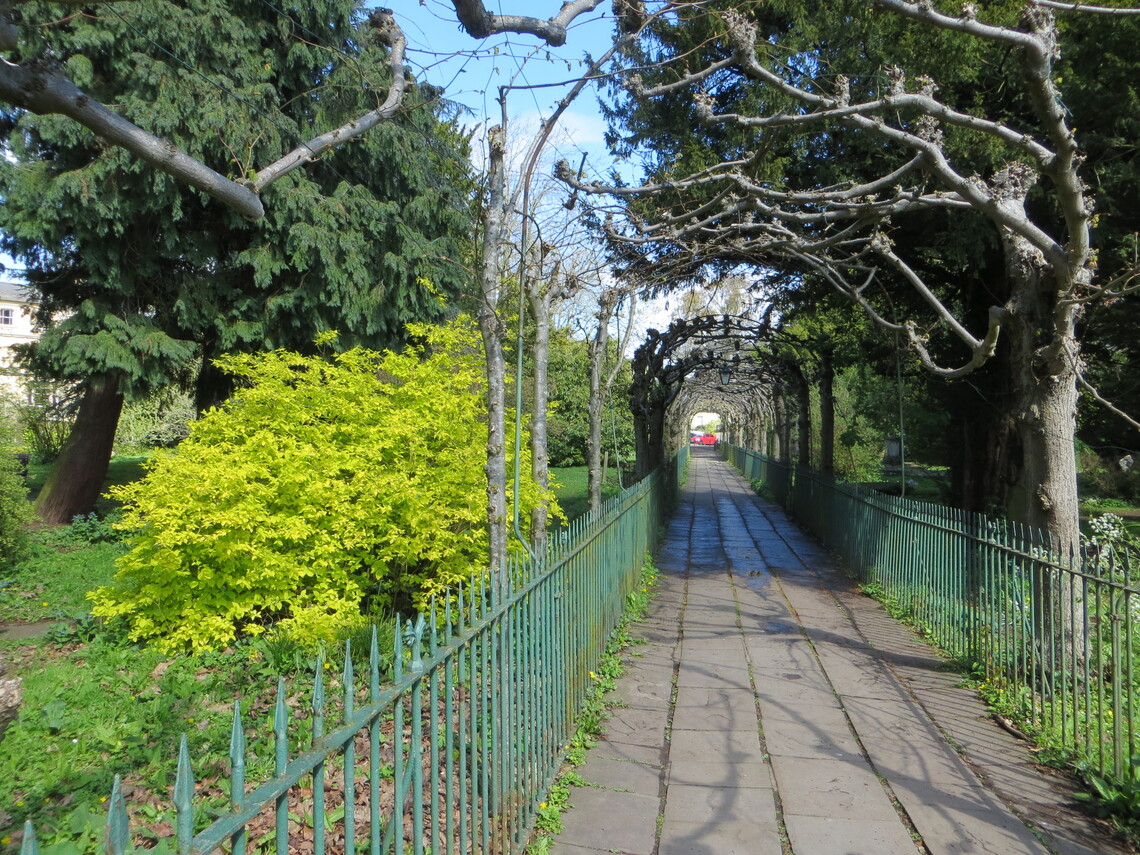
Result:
x=702 y=438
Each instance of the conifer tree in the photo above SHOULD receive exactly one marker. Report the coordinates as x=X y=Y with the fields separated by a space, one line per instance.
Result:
x=137 y=273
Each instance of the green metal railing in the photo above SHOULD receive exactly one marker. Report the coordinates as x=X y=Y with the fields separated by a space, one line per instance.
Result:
x=456 y=754
x=1055 y=635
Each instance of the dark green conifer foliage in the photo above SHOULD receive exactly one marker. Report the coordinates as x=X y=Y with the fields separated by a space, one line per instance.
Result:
x=140 y=273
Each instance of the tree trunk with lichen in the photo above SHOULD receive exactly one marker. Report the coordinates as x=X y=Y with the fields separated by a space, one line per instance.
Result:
x=539 y=296
x=803 y=416
x=596 y=352
x=826 y=412
x=1044 y=360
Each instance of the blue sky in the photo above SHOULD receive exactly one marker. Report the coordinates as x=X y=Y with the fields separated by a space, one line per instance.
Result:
x=471 y=71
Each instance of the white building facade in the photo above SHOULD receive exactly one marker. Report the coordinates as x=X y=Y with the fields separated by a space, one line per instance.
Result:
x=16 y=327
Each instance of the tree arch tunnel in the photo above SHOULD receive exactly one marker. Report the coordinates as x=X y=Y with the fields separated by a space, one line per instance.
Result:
x=738 y=367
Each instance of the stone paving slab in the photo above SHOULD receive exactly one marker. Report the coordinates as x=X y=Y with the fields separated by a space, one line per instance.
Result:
x=820 y=835
x=812 y=740
x=608 y=820
x=646 y=755
x=724 y=700
x=625 y=775
x=755 y=774
x=843 y=788
x=705 y=674
x=695 y=803
x=720 y=838
x=637 y=726
x=722 y=747
x=776 y=710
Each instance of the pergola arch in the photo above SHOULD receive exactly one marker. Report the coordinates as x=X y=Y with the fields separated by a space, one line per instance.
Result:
x=728 y=364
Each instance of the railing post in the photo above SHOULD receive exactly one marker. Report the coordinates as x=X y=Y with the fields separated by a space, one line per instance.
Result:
x=30 y=845
x=237 y=775
x=183 y=798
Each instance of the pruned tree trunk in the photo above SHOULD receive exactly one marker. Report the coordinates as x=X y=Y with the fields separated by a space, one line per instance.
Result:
x=1044 y=392
x=780 y=450
x=539 y=296
x=75 y=481
x=491 y=329
x=596 y=352
x=803 y=416
x=649 y=433
x=213 y=386
x=641 y=442
x=826 y=412
x=594 y=472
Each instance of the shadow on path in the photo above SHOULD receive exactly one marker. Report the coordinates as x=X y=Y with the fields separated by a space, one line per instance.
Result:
x=771 y=709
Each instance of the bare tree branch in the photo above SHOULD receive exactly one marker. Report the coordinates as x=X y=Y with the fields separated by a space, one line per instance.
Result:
x=42 y=88
x=1108 y=405
x=41 y=91
x=1081 y=7
x=967 y=23
x=388 y=33
x=479 y=23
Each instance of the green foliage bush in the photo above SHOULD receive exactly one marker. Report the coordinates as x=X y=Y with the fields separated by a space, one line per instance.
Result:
x=160 y=420
x=326 y=490
x=568 y=422
x=15 y=512
x=46 y=420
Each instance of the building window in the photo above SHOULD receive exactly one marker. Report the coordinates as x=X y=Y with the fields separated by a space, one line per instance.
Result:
x=7 y=317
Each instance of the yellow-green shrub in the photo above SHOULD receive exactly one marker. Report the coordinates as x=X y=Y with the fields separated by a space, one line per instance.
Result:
x=324 y=490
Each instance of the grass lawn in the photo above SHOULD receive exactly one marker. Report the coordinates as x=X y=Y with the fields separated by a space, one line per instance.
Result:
x=53 y=582
x=1129 y=513
x=96 y=705
x=123 y=470
x=572 y=492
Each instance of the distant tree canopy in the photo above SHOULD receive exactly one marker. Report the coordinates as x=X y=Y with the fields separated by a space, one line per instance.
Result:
x=568 y=426
x=137 y=273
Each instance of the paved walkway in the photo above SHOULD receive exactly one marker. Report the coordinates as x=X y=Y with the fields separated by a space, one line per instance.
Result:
x=773 y=710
